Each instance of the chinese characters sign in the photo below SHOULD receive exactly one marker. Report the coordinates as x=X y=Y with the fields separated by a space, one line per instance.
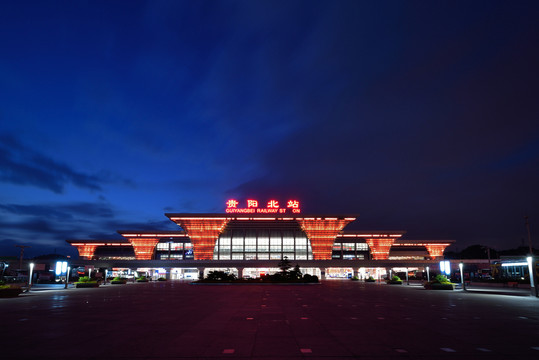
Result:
x=256 y=207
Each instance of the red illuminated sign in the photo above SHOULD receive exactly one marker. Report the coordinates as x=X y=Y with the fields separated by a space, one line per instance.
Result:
x=272 y=207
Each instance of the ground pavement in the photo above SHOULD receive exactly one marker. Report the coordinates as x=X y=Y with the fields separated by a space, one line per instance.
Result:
x=334 y=320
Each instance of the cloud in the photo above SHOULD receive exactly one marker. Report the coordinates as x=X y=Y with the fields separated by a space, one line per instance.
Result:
x=22 y=165
x=62 y=212
x=45 y=227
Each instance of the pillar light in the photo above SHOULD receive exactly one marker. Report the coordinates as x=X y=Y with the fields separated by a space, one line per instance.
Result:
x=529 y=260
x=461 y=267
x=445 y=267
x=30 y=277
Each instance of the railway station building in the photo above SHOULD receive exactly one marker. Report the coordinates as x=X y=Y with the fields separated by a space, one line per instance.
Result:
x=250 y=241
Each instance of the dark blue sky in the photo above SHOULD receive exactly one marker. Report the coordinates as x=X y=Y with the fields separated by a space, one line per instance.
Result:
x=418 y=116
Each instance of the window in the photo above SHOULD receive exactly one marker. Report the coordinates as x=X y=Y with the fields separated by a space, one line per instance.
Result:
x=349 y=246
x=262 y=244
x=362 y=247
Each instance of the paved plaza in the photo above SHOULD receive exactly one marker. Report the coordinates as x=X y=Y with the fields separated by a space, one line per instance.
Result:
x=334 y=320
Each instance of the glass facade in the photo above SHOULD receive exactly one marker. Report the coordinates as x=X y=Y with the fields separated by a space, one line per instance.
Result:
x=350 y=251
x=174 y=251
x=262 y=244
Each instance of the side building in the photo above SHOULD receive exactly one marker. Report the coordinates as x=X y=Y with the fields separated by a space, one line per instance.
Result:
x=252 y=244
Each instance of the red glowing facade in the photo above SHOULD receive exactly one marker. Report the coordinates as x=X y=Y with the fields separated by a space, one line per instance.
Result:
x=436 y=250
x=201 y=232
x=380 y=247
x=86 y=250
x=322 y=233
x=143 y=247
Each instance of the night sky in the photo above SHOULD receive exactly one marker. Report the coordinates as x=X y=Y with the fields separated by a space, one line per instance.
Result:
x=418 y=116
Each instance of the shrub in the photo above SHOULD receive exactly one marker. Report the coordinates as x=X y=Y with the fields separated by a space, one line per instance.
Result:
x=440 y=282
x=218 y=275
x=394 y=280
x=442 y=279
x=118 y=280
x=310 y=278
x=85 y=281
x=9 y=290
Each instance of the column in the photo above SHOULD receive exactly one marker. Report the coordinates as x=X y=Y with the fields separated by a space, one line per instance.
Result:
x=200 y=273
x=240 y=272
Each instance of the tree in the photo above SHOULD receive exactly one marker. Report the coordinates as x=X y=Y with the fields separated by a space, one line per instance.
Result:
x=296 y=273
x=284 y=265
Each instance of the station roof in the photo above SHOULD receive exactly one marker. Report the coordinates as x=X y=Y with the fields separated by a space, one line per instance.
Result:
x=255 y=216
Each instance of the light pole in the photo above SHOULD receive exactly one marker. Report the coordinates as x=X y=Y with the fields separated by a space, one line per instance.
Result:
x=4 y=267
x=30 y=277
x=461 y=266
x=428 y=275
x=67 y=276
x=531 y=270
x=530 y=259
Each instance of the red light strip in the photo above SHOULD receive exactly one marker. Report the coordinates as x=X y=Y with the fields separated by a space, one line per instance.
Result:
x=368 y=235
x=421 y=244
x=153 y=235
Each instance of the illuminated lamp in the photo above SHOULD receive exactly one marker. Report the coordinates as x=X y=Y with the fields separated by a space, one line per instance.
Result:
x=445 y=267
x=30 y=277
x=380 y=247
x=461 y=267
x=515 y=264
x=58 y=268
x=322 y=234
x=529 y=261
x=203 y=233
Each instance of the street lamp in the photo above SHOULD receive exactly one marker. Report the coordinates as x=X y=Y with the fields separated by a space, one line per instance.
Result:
x=531 y=270
x=461 y=266
x=4 y=267
x=67 y=276
x=30 y=277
